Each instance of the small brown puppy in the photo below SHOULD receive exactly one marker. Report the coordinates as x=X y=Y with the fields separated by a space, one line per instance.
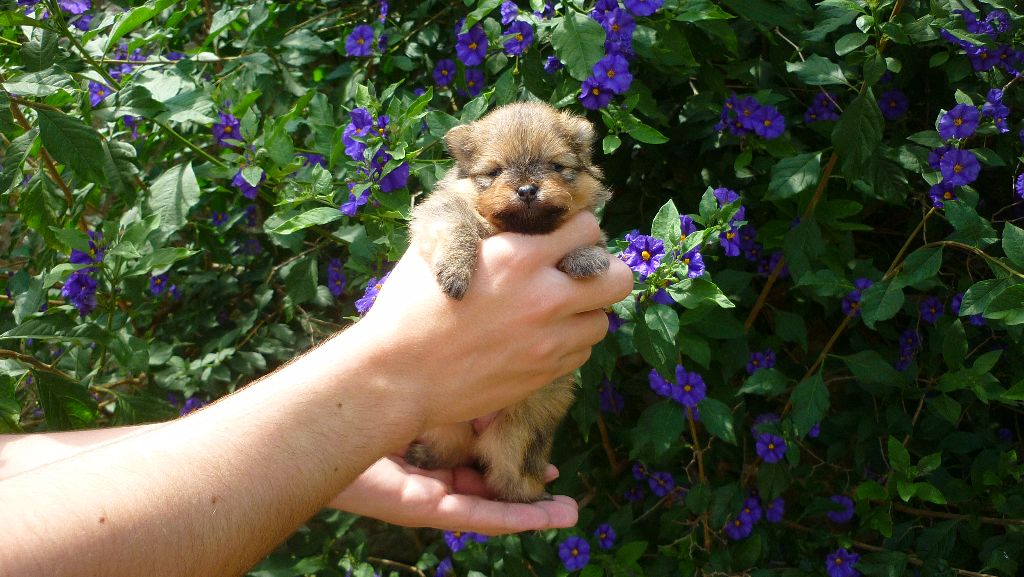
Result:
x=522 y=168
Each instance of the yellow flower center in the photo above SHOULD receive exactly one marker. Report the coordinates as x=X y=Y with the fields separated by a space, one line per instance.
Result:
x=958 y=121
x=519 y=37
x=686 y=261
x=227 y=129
x=838 y=560
x=947 y=195
x=444 y=73
x=575 y=552
x=771 y=446
x=595 y=91
x=730 y=235
x=472 y=45
x=360 y=41
x=471 y=83
x=957 y=168
x=615 y=27
x=611 y=74
x=767 y=122
x=645 y=255
x=687 y=388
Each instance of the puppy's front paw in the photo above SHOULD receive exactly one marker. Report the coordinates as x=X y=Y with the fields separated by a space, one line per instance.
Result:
x=454 y=281
x=585 y=262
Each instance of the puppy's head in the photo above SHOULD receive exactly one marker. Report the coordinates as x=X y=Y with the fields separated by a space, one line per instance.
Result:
x=530 y=166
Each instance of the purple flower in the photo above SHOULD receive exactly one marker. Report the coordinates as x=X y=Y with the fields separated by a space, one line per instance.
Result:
x=661 y=483
x=227 y=132
x=370 y=296
x=191 y=404
x=694 y=263
x=605 y=536
x=931 y=310
x=311 y=159
x=357 y=129
x=397 y=178
x=249 y=190
x=761 y=420
x=690 y=389
x=845 y=513
x=935 y=156
x=519 y=37
x=730 y=241
x=960 y=122
x=97 y=92
x=471 y=46
x=727 y=196
x=335 y=277
x=608 y=399
x=940 y=193
x=360 y=41
x=83 y=22
x=760 y=360
x=95 y=253
x=768 y=123
x=618 y=24
x=815 y=431
x=251 y=216
x=75 y=6
x=739 y=528
x=840 y=563
x=851 y=302
x=456 y=540
x=776 y=509
x=823 y=108
x=444 y=72
x=752 y=510
x=612 y=73
x=592 y=95
x=770 y=447
x=686 y=227
x=445 y=568
x=615 y=322
x=959 y=167
x=602 y=8
x=1018 y=186
x=640 y=471
x=351 y=207
x=574 y=552
x=552 y=64
x=80 y=289
x=509 y=11
x=643 y=7
x=218 y=218
x=157 y=283
x=893 y=104
x=474 y=81
x=910 y=340
x=634 y=494
x=643 y=254
x=659 y=384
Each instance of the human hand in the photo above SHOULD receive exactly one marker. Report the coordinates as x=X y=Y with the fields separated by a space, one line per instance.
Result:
x=522 y=324
x=455 y=499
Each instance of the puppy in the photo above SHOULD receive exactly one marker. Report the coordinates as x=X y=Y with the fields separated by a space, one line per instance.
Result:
x=523 y=168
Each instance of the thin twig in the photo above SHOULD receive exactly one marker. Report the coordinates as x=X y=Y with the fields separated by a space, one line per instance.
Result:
x=958 y=516
x=396 y=565
x=699 y=453
x=616 y=465
x=34 y=363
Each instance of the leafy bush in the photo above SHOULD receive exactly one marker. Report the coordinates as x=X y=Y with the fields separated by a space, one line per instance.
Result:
x=818 y=372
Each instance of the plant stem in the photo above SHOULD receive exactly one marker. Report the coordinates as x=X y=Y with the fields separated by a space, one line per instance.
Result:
x=699 y=453
x=957 y=516
x=979 y=252
x=35 y=363
x=616 y=465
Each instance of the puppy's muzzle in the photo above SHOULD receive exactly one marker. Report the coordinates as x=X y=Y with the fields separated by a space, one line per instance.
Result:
x=527 y=193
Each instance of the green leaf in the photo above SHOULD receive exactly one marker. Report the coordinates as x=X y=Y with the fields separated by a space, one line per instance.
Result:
x=1013 y=244
x=793 y=175
x=691 y=292
x=300 y=279
x=899 y=457
x=610 y=143
x=870 y=490
x=39 y=52
x=42 y=83
x=946 y=407
x=880 y=302
x=73 y=143
x=160 y=259
x=817 y=71
x=666 y=224
x=928 y=492
x=810 y=403
x=578 y=41
x=981 y=294
x=484 y=7
x=1008 y=306
x=869 y=367
x=850 y=42
x=954 y=345
x=630 y=552
x=765 y=382
x=655 y=335
x=700 y=10
x=128 y=21
x=660 y=427
x=171 y=197
x=644 y=133
x=717 y=419
x=14 y=159
x=858 y=132
x=922 y=265
x=313 y=217
x=66 y=405
x=970 y=227
x=772 y=480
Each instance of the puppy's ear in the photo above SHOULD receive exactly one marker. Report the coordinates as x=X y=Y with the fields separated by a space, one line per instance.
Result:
x=580 y=132
x=461 y=144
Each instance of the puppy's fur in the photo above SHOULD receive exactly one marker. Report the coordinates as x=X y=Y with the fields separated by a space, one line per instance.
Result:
x=523 y=168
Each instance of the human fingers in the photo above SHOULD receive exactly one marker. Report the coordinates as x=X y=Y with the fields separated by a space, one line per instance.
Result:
x=470 y=513
x=547 y=249
x=601 y=291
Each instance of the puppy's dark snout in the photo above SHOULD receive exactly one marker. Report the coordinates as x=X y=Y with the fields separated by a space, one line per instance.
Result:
x=527 y=193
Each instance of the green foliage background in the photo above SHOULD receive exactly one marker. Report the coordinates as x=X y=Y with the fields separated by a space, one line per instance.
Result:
x=929 y=454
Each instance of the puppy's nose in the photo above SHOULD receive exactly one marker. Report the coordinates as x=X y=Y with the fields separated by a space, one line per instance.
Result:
x=527 y=193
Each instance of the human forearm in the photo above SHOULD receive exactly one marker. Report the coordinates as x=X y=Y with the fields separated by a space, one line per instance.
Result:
x=211 y=493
